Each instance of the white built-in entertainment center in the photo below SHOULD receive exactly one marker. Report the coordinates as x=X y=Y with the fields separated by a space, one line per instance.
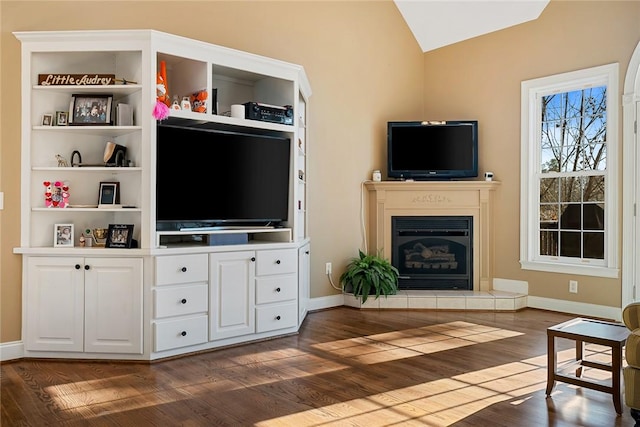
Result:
x=176 y=292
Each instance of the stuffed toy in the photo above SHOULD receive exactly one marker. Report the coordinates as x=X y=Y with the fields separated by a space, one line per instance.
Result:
x=161 y=110
x=199 y=101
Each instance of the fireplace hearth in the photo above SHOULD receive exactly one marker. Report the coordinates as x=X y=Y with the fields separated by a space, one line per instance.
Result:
x=433 y=252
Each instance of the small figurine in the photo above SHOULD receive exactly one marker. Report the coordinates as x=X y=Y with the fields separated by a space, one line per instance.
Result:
x=185 y=104
x=176 y=104
x=82 y=241
x=62 y=162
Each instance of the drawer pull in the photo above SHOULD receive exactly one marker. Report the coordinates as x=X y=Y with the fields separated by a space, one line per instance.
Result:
x=183 y=333
x=77 y=266
x=253 y=259
x=278 y=261
x=87 y=267
x=277 y=289
x=183 y=269
x=277 y=317
x=183 y=300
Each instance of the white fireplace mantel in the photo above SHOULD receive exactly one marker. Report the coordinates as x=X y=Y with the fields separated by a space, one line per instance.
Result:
x=387 y=199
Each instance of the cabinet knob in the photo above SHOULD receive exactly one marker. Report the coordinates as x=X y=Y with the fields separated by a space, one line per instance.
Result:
x=183 y=300
x=183 y=269
x=77 y=266
x=277 y=289
x=278 y=261
x=253 y=259
x=183 y=333
x=277 y=317
x=86 y=267
x=306 y=252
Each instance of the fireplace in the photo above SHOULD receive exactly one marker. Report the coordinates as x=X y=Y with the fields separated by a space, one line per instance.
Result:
x=433 y=252
x=451 y=199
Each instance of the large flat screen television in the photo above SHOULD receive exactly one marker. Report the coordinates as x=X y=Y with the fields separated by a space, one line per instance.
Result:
x=208 y=178
x=432 y=150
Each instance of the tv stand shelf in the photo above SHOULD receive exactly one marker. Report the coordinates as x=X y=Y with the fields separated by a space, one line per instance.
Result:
x=199 y=237
x=180 y=291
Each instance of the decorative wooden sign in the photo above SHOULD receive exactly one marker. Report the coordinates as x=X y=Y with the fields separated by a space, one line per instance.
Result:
x=76 y=79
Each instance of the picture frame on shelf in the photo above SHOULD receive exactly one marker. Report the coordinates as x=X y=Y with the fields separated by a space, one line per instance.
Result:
x=90 y=110
x=109 y=195
x=119 y=236
x=63 y=235
x=62 y=118
x=47 y=119
x=56 y=194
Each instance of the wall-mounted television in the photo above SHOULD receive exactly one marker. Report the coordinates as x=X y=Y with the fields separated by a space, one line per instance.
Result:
x=210 y=177
x=431 y=150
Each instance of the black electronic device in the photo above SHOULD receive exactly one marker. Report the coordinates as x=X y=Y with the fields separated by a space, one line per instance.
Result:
x=268 y=113
x=210 y=177
x=432 y=150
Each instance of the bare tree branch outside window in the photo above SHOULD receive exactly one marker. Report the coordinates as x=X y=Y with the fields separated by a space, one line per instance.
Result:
x=572 y=170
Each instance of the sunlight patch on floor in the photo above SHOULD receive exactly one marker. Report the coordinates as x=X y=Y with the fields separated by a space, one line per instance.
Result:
x=389 y=346
x=441 y=402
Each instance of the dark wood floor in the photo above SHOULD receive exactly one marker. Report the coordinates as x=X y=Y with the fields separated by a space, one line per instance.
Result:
x=346 y=367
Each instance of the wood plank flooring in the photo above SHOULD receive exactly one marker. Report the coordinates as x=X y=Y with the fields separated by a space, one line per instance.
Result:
x=346 y=367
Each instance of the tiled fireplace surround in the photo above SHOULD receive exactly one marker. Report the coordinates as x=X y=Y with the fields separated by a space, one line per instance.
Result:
x=439 y=198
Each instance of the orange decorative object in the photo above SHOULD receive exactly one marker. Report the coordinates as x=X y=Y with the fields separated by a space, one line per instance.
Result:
x=199 y=101
x=163 y=75
x=161 y=110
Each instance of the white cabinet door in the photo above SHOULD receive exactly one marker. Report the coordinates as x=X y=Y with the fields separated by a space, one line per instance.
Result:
x=113 y=296
x=232 y=295
x=304 y=272
x=54 y=304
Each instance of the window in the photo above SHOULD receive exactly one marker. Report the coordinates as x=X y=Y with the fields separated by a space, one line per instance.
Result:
x=569 y=179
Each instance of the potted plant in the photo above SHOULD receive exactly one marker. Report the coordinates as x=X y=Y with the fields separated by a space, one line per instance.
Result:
x=368 y=275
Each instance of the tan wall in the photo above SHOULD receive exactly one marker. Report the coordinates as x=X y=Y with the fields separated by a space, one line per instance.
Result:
x=480 y=78
x=364 y=66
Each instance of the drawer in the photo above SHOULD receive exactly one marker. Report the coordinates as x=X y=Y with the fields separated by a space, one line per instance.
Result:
x=181 y=300
x=176 y=269
x=276 y=288
x=177 y=333
x=276 y=262
x=276 y=316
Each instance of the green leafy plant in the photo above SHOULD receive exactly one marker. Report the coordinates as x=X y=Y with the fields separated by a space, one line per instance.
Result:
x=370 y=274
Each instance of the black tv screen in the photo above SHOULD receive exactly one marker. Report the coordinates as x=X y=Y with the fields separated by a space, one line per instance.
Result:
x=212 y=177
x=432 y=150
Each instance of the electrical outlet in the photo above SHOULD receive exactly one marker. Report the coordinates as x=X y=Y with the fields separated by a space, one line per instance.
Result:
x=327 y=268
x=573 y=286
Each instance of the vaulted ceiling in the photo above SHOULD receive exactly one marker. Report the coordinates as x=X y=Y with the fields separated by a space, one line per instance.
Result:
x=437 y=23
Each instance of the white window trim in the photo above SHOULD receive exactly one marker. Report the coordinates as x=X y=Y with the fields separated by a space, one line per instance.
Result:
x=531 y=90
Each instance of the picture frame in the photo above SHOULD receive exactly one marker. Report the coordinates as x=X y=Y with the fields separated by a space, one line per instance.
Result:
x=90 y=110
x=109 y=194
x=62 y=118
x=63 y=235
x=47 y=119
x=119 y=236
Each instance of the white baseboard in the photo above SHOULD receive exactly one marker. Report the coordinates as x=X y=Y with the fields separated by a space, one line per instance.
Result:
x=322 y=303
x=579 y=308
x=11 y=350
x=509 y=285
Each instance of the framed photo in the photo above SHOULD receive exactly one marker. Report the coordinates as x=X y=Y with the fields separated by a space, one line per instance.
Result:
x=61 y=118
x=63 y=235
x=91 y=110
x=109 y=195
x=47 y=119
x=119 y=236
